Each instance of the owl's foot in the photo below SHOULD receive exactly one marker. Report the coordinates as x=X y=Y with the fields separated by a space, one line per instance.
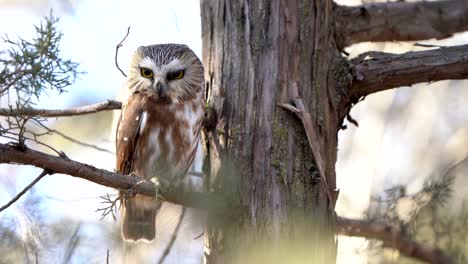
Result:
x=154 y=182
x=156 y=185
x=131 y=191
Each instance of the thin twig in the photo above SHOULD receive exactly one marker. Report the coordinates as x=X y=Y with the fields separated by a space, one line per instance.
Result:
x=392 y=237
x=82 y=110
x=200 y=235
x=428 y=45
x=168 y=248
x=84 y=144
x=111 y=208
x=60 y=153
x=72 y=244
x=12 y=201
x=19 y=75
x=107 y=258
x=117 y=52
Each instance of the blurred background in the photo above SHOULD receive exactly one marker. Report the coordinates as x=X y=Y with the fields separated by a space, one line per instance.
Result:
x=407 y=138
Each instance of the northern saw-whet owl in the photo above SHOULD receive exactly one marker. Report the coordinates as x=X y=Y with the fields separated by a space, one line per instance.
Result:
x=159 y=127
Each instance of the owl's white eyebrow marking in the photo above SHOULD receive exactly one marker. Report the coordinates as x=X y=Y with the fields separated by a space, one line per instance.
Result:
x=147 y=63
x=174 y=65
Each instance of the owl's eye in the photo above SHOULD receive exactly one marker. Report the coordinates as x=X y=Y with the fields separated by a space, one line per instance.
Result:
x=147 y=73
x=175 y=75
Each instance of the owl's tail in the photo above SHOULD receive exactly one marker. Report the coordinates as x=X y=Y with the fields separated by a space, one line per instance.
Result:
x=138 y=218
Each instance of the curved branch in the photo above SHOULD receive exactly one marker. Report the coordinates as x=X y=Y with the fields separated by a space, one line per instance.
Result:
x=117 y=52
x=392 y=237
x=168 y=248
x=384 y=71
x=400 y=21
x=36 y=180
x=53 y=164
x=82 y=110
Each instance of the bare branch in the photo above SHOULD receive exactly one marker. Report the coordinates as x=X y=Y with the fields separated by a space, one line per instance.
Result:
x=13 y=155
x=400 y=21
x=27 y=188
x=117 y=52
x=82 y=110
x=392 y=237
x=76 y=141
x=386 y=71
x=30 y=139
x=168 y=248
x=110 y=206
x=72 y=244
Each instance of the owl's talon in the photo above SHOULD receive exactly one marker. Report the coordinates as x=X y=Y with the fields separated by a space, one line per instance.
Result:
x=155 y=183
x=131 y=189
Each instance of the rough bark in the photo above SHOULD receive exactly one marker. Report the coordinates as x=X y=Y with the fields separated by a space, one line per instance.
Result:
x=400 y=21
x=258 y=54
x=382 y=71
x=392 y=237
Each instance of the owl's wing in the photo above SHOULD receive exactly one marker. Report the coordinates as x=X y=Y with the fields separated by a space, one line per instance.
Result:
x=128 y=135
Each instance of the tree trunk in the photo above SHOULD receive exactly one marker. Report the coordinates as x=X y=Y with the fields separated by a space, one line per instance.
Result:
x=257 y=55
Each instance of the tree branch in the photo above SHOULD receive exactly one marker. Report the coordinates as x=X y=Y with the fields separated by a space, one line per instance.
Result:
x=13 y=155
x=27 y=188
x=117 y=52
x=82 y=110
x=168 y=248
x=400 y=21
x=385 y=71
x=392 y=237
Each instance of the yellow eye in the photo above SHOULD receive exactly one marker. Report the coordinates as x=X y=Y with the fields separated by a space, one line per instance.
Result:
x=179 y=74
x=147 y=73
x=175 y=75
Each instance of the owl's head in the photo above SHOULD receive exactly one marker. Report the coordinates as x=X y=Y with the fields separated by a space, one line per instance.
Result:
x=169 y=72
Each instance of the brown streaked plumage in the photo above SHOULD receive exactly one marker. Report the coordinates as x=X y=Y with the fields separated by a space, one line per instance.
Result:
x=159 y=127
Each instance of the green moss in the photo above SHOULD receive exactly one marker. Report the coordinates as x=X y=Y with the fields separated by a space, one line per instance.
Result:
x=280 y=144
x=305 y=19
x=342 y=71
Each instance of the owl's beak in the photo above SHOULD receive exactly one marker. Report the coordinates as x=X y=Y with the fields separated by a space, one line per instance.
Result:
x=161 y=89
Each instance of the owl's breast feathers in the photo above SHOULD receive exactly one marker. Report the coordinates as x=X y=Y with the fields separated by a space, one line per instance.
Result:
x=158 y=139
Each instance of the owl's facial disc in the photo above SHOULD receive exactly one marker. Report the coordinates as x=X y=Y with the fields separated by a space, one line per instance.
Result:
x=169 y=72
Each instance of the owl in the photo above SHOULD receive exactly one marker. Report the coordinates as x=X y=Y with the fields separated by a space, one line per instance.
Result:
x=158 y=132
